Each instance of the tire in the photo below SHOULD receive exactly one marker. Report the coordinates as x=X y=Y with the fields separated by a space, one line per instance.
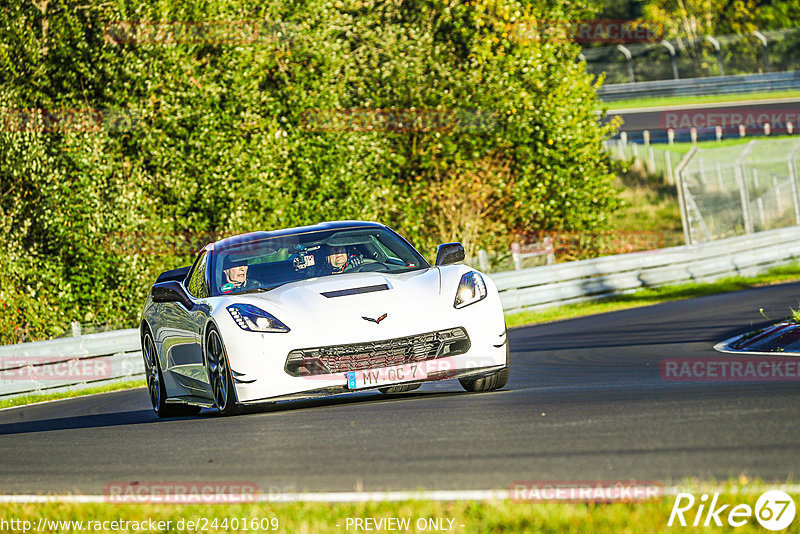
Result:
x=155 y=384
x=219 y=374
x=490 y=382
x=402 y=388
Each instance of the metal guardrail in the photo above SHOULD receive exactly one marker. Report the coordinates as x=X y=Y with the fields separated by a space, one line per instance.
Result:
x=566 y=283
x=717 y=85
x=70 y=363
x=35 y=367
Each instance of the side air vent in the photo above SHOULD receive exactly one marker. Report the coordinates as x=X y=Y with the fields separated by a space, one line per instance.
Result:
x=354 y=291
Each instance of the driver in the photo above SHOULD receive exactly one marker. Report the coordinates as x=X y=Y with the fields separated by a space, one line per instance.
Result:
x=338 y=259
x=235 y=273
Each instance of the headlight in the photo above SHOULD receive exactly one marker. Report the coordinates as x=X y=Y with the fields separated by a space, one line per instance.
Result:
x=471 y=289
x=254 y=319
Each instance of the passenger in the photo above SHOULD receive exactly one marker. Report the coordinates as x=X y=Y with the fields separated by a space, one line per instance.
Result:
x=235 y=273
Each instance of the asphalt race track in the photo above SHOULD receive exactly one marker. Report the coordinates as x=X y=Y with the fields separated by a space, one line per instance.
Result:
x=585 y=402
x=705 y=116
x=653 y=118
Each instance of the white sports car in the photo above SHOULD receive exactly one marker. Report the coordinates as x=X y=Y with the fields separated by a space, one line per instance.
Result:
x=315 y=311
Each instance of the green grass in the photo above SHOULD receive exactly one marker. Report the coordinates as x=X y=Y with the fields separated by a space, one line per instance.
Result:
x=649 y=203
x=487 y=516
x=656 y=295
x=683 y=148
x=654 y=211
x=679 y=150
x=683 y=100
x=651 y=206
x=42 y=397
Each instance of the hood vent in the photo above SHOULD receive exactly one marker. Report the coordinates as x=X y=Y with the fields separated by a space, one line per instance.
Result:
x=354 y=291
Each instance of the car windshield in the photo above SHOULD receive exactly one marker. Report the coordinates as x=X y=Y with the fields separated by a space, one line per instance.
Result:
x=264 y=264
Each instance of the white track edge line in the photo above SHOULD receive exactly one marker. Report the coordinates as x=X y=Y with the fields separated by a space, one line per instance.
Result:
x=383 y=496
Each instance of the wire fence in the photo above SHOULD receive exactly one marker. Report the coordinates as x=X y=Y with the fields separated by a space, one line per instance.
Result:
x=653 y=159
x=741 y=189
x=550 y=247
x=696 y=57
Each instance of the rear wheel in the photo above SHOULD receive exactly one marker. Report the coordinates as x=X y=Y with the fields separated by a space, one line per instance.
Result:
x=219 y=375
x=402 y=388
x=155 y=384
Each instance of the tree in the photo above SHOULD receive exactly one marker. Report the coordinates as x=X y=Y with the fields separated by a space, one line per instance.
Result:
x=447 y=120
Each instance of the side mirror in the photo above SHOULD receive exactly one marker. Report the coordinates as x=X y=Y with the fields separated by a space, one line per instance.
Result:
x=448 y=253
x=171 y=291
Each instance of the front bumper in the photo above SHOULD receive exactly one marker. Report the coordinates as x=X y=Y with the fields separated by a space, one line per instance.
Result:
x=259 y=361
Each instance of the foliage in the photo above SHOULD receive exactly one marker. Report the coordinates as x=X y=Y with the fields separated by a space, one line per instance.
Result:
x=462 y=133
x=695 y=18
x=686 y=23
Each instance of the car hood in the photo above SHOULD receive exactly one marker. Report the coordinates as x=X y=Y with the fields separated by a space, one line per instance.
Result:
x=362 y=290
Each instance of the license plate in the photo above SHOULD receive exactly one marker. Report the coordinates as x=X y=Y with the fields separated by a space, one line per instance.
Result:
x=370 y=378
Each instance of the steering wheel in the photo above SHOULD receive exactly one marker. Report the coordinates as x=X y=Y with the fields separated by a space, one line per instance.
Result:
x=370 y=267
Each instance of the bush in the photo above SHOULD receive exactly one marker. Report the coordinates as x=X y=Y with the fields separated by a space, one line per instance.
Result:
x=436 y=119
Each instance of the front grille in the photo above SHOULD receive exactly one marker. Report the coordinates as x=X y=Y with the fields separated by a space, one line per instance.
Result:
x=375 y=354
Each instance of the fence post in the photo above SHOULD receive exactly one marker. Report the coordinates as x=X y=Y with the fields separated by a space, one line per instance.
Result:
x=715 y=44
x=687 y=234
x=671 y=49
x=776 y=193
x=516 y=257
x=793 y=182
x=629 y=58
x=668 y=162
x=760 y=36
x=483 y=260
x=742 y=181
x=551 y=253
x=702 y=168
x=744 y=198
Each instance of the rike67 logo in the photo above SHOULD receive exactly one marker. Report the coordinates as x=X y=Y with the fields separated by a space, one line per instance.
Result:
x=774 y=510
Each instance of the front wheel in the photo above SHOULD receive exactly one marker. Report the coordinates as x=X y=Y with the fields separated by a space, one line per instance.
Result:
x=155 y=384
x=490 y=382
x=219 y=376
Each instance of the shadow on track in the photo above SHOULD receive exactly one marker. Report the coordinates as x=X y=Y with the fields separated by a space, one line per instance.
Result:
x=133 y=417
x=550 y=337
x=145 y=416
x=365 y=398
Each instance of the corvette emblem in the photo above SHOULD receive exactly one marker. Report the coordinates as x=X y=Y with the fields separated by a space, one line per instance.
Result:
x=376 y=321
